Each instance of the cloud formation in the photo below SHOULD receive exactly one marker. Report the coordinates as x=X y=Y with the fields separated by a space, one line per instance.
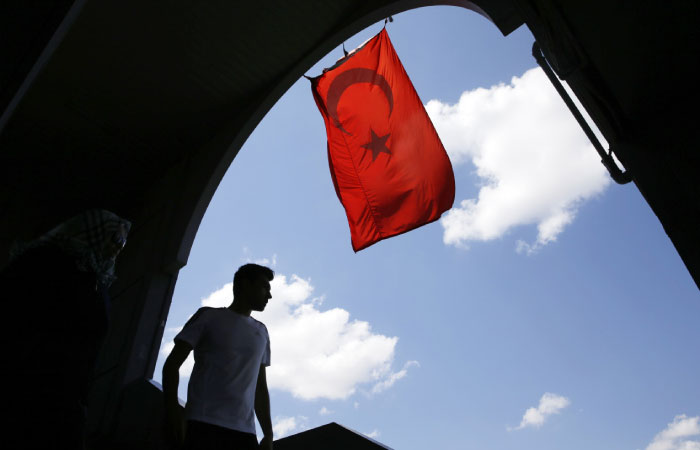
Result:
x=676 y=434
x=373 y=435
x=248 y=258
x=550 y=404
x=319 y=353
x=284 y=426
x=534 y=161
x=389 y=381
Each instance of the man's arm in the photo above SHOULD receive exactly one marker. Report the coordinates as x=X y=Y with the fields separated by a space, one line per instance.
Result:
x=174 y=420
x=262 y=409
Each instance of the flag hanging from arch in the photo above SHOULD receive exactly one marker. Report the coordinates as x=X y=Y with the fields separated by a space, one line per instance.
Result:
x=388 y=166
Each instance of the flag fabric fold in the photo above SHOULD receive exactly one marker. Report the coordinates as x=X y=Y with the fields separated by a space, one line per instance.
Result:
x=388 y=166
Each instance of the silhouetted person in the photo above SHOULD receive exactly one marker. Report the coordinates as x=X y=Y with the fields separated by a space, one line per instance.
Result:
x=228 y=386
x=56 y=317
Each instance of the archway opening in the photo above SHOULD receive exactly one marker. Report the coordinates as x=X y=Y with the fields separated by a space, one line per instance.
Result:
x=476 y=318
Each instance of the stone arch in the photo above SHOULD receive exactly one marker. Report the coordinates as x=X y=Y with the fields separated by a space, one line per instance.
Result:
x=199 y=178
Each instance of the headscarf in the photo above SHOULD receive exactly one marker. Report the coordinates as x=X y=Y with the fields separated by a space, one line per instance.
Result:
x=84 y=237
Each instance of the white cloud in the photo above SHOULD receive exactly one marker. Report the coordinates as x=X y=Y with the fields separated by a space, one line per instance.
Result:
x=270 y=262
x=373 y=435
x=389 y=381
x=321 y=353
x=549 y=404
x=284 y=426
x=325 y=411
x=676 y=434
x=534 y=161
x=248 y=258
x=220 y=298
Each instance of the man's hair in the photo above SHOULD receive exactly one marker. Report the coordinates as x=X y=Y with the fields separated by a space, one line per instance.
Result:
x=251 y=272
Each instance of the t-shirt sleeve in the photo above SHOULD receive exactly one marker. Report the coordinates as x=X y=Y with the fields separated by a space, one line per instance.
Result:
x=192 y=331
x=266 y=354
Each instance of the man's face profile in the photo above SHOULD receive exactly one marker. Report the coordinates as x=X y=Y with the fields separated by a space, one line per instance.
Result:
x=258 y=293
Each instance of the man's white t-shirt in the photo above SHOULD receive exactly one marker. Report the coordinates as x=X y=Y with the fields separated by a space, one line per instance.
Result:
x=229 y=349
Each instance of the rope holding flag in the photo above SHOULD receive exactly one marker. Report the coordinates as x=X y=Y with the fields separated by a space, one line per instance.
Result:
x=388 y=166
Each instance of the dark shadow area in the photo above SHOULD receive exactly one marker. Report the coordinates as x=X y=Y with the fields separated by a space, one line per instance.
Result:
x=56 y=290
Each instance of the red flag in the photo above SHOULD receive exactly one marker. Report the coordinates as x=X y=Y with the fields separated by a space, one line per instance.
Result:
x=389 y=168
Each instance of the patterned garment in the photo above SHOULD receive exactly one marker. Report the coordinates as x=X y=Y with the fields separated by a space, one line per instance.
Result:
x=92 y=238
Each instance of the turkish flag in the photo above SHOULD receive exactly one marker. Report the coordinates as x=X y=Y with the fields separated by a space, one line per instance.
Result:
x=389 y=168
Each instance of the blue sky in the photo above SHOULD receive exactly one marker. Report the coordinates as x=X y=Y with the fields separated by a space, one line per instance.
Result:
x=547 y=310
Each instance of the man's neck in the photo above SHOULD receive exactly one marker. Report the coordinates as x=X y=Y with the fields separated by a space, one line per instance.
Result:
x=240 y=308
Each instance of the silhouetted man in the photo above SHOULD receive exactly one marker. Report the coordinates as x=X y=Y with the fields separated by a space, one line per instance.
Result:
x=228 y=383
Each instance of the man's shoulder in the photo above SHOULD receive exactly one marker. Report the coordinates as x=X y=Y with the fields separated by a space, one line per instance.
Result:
x=258 y=324
x=203 y=311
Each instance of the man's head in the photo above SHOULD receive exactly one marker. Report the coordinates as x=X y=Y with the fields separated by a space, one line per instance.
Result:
x=251 y=286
